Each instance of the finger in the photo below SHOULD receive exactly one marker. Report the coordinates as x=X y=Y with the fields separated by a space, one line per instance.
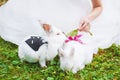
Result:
x=80 y=26
x=83 y=27
x=81 y=23
x=87 y=28
x=85 y=24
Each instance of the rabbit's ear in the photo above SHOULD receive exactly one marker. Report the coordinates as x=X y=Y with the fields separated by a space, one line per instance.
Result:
x=45 y=26
x=72 y=51
x=61 y=52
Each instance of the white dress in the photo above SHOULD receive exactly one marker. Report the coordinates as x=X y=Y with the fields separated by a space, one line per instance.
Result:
x=19 y=18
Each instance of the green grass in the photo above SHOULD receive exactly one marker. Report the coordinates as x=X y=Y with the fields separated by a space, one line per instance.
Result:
x=105 y=66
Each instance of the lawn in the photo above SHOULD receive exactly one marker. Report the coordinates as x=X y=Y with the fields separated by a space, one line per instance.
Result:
x=105 y=66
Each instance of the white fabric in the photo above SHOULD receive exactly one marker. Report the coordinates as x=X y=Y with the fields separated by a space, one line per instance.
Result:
x=19 y=18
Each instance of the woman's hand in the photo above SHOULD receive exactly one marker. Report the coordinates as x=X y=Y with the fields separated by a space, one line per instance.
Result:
x=96 y=11
x=84 y=25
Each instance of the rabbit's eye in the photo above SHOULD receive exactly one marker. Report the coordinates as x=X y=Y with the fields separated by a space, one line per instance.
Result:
x=58 y=33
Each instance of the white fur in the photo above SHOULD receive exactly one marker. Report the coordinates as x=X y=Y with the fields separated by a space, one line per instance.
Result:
x=74 y=55
x=45 y=52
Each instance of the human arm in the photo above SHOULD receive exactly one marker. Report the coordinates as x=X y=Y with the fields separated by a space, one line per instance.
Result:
x=96 y=11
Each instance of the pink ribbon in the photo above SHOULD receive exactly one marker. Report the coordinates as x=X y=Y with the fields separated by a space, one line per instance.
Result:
x=75 y=38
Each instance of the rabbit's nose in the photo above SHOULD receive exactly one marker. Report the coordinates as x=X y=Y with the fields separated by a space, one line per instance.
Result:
x=64 y=34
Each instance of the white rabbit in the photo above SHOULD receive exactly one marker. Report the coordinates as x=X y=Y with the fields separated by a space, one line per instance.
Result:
x=75 y=54
x=53 y=39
